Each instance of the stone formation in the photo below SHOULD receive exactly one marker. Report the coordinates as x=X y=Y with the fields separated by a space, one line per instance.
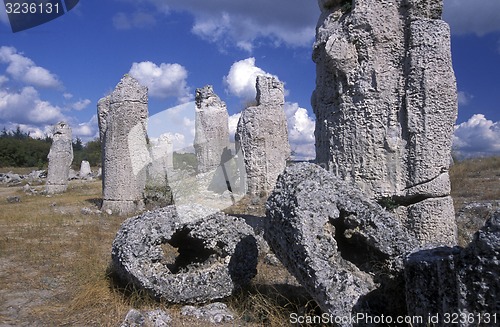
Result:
x=125 y=156
x=211 y=129
x=386 y=104
x=262 y=137
x=60 y=158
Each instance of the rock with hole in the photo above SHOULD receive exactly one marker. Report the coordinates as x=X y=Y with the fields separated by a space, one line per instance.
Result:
x=346 y=250
x=185 y=260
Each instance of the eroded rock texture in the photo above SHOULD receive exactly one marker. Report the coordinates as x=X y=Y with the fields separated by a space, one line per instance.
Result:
x=211 y=129
x=122 y=127
x=386 y=103
x=345 y=249
x=465 y=282
x=60 y=158
x=262 y=137
x=184 y=260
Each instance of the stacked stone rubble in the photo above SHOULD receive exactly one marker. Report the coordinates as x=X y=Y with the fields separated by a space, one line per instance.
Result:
x=211 y=129
x=262 y=137
x=122 y=124
x=60 y=158
x=386 y=104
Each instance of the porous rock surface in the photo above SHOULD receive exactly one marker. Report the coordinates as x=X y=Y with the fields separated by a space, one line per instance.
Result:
x=336 y=242
x=60 y=158
x=386 y=104
x=262 y=137
x=465 y=282
x=153 y=318
x=85 y=170
x=122 y=126
x=211 y=129
x=216 y=255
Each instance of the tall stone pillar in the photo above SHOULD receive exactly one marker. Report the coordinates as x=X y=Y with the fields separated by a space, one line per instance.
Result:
x=60 y=158
x=122 y=124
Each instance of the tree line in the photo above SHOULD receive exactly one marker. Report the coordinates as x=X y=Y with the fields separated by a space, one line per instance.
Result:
x=19 y=149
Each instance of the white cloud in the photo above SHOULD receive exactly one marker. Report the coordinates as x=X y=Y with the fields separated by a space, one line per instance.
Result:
x=464 y=98
x=178 y=122
x=86 y=131
x=67 y=96
x=80 y=105
x=241 y=79
x=123 y=21
x=472 y=17
x=233 y=124
x=166 y=80
x=477 y=137
x=24 y=69
x=242 y=23
x=3 y=79
x=26 y=107
x=300 y=131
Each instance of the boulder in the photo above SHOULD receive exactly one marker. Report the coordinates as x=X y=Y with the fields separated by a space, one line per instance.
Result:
x=345 y=249
x=60 y=158
x=443 y=282
x=153 y=318
x=262 y=138
x=183 y=260
x=214 y=313
x=385 y=105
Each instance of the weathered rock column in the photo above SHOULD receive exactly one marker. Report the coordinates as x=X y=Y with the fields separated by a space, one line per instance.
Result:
x=212 y=130
x=262 y=137
x=60 y=158
x=386 y=103
x=122 y=123
x=162 y=160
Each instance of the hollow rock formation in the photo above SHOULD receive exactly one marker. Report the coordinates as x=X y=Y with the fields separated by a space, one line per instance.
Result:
x=60 y=158
x=385 y=105
x=262 y=137
x=122 y=127
x=346 y=250
x=184 y=259
x=211 y=129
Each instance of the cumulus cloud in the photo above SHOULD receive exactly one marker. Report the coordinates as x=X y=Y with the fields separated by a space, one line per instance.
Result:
x=123 y=21
x=3 y=79
x=177 y=122
x=86 y=131
x=80 y=105
x=166 y=80
x=26 y=107
x=472 y=17
x=300 y=131
x=23 y=69
x=233 y=124
x=240 y=81
x=242 y=23
x=477 y=137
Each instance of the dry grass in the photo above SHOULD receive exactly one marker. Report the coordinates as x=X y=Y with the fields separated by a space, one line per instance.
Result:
x=54 y=260
x=54 y=269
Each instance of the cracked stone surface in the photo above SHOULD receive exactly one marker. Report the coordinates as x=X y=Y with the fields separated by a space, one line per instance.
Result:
x=125 y=156
x=386 y=104
x=216 y=254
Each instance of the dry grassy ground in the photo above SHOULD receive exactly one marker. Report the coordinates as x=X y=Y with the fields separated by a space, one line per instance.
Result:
x=54 y=261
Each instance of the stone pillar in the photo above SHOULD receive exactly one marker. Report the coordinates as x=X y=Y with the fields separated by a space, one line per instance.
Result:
x=212 y=131
x=122 y=124
x=85 y=170
x=262 y=137
x=60 y=158
x=386 y=104
x=162 y=160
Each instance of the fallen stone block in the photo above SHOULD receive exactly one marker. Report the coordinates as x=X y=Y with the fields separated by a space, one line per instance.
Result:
x=183 y=260
x=346 y=250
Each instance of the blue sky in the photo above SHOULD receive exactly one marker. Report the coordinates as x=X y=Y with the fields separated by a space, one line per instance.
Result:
x=60 y=70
